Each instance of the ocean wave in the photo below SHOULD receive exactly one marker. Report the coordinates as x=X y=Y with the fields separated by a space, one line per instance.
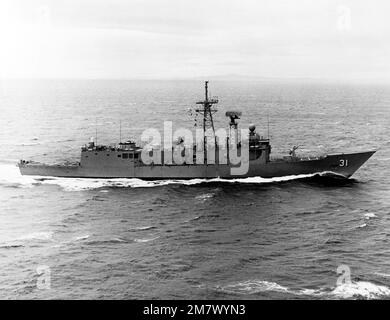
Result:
x=10 y=246
x=94 y=241
x=27 y=240
x=142 y=228
x=361 y=289
x=10 y=176
x=353 y=290
x=252 y=287
x=146 y=240
x=48 y=235
x=205 y=196
x=333 y=240
x=79 y=238
x=370 y=215
x=192 y=219
x=87 y=240
x=381 y=274
x=106 y=241
x=28 y=144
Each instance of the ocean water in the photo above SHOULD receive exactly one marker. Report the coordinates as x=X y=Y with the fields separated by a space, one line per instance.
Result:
x=243 y=239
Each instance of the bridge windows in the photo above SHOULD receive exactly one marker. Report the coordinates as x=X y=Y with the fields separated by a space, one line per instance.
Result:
x=128 y=156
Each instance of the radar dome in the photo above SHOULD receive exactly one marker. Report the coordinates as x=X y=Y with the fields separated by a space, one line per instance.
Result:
x=252 y=127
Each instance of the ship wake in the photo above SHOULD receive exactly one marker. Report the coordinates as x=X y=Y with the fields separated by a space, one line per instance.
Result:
x=10 y=177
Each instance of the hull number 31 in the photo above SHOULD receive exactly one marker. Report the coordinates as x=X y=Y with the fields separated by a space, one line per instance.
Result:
x=343 y=163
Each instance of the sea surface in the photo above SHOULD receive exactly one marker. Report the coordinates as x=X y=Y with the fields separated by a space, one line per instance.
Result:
x=243 y=239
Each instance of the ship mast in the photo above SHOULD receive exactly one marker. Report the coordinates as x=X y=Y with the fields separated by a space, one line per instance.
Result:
x=207 y=112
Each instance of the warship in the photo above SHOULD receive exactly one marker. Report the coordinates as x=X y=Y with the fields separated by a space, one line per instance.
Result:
x=127 y=160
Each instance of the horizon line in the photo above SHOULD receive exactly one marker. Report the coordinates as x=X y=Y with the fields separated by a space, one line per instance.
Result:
x=242 y=78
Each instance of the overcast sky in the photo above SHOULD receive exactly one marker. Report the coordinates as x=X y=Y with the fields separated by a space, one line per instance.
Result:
x=332 y=39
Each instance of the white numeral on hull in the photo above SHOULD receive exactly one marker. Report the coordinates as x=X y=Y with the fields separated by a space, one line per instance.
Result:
x=343 y=163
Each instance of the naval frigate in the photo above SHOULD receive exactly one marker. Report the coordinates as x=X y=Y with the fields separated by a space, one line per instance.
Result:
x=127 y=159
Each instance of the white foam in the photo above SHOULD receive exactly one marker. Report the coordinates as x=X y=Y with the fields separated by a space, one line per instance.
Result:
x=37 y=236
x=385 y=275
x=141 y=228
x=263 y=180
x=79 y=184
x=146 y=240
x=27 y=239
x=10 y=174
x=192 y=219
x=254 y=286
x=205 y=196
x=369 y=215
x=81 y=237
x=360 y=289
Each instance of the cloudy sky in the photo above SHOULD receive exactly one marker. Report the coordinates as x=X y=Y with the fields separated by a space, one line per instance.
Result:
x=137 y=39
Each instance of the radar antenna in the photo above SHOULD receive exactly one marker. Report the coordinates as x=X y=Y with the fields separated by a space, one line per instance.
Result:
x=233 y=125
x=207 y=110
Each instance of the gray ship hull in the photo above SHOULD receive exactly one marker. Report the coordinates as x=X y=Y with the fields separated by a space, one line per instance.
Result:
x=341 y=164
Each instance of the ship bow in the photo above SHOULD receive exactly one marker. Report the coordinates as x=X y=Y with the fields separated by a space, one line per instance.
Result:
x=348 y=164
